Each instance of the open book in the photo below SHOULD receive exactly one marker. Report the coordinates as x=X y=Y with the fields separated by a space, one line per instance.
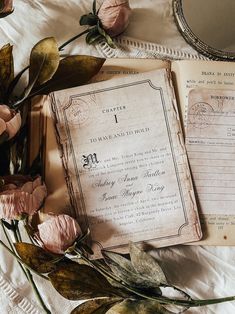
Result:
x=124 y=157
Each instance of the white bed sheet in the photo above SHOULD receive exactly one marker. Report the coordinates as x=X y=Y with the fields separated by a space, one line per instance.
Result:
x=204 y=272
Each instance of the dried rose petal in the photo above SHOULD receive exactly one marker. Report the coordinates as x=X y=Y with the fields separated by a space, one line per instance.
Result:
x=114 y=16
x=58 y=233
x=22 y=198
x=10 y=121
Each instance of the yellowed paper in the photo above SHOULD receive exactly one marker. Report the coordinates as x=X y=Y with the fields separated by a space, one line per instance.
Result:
x=126 y=162
x=210 y=143
x=218 y=228
x=58 y=200
x=208 y=74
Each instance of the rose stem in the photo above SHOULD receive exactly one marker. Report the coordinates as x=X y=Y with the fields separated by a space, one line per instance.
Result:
x=15 y=223
x=20 y=260
x=162 y=300
x=72 y=39
x=37 y=292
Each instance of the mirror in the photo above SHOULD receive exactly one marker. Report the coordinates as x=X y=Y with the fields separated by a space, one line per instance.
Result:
x=208 y=26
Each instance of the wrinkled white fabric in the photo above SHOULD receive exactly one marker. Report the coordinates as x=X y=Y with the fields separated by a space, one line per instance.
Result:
x=204 y=272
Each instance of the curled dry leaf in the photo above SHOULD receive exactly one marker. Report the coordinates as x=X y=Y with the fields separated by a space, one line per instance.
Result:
x=146 y=265
x=44 y=60
x=97 y=306
x=36 y=258
x=73 y=71
x=6 y=70
x=43 y=63
x=80 y=282
x=125 y=271
x=138 y=307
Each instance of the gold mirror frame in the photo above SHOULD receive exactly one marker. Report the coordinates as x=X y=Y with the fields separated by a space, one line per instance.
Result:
x=193 y=40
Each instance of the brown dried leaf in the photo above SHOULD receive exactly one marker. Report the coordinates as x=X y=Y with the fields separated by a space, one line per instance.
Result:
x=6 y=69
x=138 y=307
x=80 y=282
x=146 y=265
x=124 y=270
x=44 y=61
x=97 y=306
x=36 y=258
x=73 y=71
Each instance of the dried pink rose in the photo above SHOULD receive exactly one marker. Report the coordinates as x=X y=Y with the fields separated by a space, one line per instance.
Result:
x=58 y=233
x=114 y=16
x=10 y=121
x=20 y=195
x=6 y=7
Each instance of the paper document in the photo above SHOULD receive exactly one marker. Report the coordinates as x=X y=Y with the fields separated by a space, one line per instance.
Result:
x=210 y=142
x=125 y=161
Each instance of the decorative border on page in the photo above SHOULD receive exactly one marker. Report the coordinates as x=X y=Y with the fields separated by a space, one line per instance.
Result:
x=82 y=204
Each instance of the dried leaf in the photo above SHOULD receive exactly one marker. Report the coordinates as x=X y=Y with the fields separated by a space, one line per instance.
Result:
x=138 y=307
x=146 y=265
x=13 y=84
x=6 y=69
x=97 y=306
x=36 y=258
x=7 y=225
x=89 y=19
x=125 y=271
x=44 y=60
x=80 y=282
x=93 y=36
x=73 y=71
x=106 y=36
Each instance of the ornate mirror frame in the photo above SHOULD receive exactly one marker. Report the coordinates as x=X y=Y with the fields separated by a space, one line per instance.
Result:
x=193 y=40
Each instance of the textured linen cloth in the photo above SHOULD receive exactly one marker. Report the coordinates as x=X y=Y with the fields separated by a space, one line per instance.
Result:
x=204 y=272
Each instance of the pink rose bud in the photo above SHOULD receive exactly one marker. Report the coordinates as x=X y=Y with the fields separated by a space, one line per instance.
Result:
x=10 y=121
x=58 y=233
x=114 y=16
x=20 y=195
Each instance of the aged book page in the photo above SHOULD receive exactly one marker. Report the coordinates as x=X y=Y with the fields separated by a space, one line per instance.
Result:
x=218 y=223
x=208 y=74
x=125 y=161
x=210 y=143
x=217 y=229
x=42 y=128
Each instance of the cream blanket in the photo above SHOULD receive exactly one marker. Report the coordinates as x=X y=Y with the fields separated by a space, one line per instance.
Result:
x=204 y=272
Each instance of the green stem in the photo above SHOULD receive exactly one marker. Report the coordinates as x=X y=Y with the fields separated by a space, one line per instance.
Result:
x=162 y=300
x=40 y=300
x=16 y=222
x=72 y=39
x=22 y=262
x=14 y=231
